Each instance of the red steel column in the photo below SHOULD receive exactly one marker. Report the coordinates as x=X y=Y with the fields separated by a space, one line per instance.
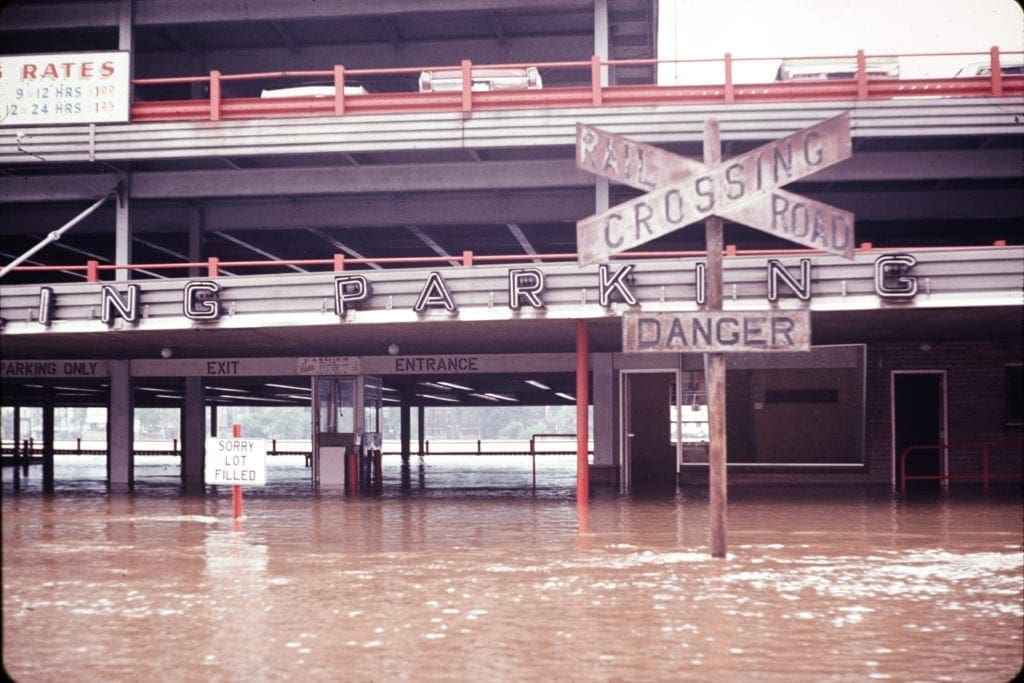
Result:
x=582 y=401
x=236 y=490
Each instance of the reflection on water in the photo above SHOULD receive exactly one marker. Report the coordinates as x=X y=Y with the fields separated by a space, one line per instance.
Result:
x=469 y=574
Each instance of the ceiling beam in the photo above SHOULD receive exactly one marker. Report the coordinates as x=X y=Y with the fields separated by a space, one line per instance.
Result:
x=394 y=37
x=496 y=26
x=342 y=247
x=286 y=36
x=379 y=55
x=517 y=232
x=434 y=246
x=255 y=249
x=76 y=14
x=561 y=205
x=465 y=176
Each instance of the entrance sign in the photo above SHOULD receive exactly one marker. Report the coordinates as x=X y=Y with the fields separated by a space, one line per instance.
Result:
x=745 y=189
x=716 y=331
x=66 y=87
x=236 y=462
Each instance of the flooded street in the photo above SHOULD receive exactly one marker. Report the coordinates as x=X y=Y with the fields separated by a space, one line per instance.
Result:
x=468 y=573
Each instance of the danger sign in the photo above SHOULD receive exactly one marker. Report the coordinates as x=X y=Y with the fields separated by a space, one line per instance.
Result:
x=238 y=462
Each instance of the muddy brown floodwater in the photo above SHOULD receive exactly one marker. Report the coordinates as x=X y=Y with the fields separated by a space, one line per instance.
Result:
x=461 y=571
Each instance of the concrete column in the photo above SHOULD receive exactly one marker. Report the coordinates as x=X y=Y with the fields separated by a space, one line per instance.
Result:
x=195 y=241
x=405 y=412
x=17 y=438
x=193 y=452
x=125 y=34
x=601 y=33
x=48 y=400
x=605 y=423
x=422 y=429
x=123 y=229
x=121 y=428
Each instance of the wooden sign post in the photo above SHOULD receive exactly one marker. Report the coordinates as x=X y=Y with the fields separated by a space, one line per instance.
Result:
x=682 y=191
x=714 y=364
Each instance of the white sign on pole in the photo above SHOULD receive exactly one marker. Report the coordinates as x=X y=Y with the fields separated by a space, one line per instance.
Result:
x=236 y=462
x=67 y=87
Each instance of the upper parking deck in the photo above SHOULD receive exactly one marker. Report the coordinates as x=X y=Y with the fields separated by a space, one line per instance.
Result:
x=379 y=169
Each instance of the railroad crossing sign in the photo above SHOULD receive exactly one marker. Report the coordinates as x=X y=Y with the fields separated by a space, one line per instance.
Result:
x=745 y=189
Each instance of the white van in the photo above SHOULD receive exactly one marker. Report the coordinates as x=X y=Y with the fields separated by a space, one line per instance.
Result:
x=483 y=78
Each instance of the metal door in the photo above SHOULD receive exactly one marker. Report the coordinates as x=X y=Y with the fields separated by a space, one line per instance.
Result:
x=919 y=419
x=650 y=458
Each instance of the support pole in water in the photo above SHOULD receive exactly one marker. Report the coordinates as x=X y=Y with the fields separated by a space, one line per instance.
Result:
x=236 y=490
x=714 y=363
x=582 y=401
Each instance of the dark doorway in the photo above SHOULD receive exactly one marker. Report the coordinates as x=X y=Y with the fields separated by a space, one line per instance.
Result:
x=918 y=419
x=652 y=455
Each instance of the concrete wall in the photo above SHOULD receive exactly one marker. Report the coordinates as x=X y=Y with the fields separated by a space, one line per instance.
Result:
x=976 y=400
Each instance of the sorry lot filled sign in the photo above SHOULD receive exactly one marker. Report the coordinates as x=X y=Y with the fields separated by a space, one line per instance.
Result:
x=237 y=462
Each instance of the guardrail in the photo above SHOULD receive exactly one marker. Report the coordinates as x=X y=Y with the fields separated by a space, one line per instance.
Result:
x=985 y=476
x=590 y=92
x=339 y=262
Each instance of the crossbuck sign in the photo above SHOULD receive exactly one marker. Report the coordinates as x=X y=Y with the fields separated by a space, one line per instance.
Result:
x=746 y=189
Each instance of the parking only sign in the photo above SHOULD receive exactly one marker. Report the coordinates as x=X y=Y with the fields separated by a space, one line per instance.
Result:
x=236 y=462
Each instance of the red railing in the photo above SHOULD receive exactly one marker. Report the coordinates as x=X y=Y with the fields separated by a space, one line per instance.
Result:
x=985 y=476
x=216 y=107
x=339 y=262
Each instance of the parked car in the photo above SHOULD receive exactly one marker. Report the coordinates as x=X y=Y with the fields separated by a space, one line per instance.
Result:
x=984 y=69
x=310 y=90
x=832 y=69
x=483 y=77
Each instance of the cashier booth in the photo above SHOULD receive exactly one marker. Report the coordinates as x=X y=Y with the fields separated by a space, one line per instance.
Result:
x=346 y=433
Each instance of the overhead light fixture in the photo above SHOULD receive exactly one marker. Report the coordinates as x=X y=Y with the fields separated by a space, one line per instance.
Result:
x=453 y=385
x=484 y=396
x=567 y=397
x=286 y=386
x=446 y=399
x=166 y=352
x=539 y=385
x=393 y=349
x=502 y=397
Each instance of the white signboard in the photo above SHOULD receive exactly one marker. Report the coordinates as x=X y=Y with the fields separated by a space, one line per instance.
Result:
x=67 y=87
x=236 y=462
